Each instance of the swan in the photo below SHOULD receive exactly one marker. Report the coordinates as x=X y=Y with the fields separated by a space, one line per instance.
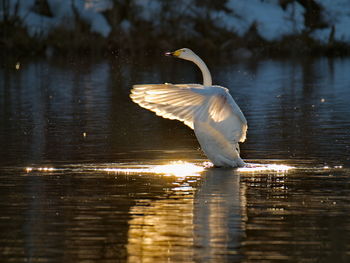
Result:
x=209 y=110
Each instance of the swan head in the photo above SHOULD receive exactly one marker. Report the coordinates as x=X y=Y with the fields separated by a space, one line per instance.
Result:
x=183 y=53
x=188 y=54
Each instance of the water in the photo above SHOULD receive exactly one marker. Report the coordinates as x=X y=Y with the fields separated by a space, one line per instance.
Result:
x=88 y=176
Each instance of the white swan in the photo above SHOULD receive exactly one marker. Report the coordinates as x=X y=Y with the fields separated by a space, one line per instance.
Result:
x=218 y=122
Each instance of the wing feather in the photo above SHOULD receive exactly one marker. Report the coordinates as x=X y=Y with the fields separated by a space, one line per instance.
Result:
x=193 y=102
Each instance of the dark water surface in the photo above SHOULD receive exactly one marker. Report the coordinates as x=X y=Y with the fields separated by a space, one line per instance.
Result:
x=88 y=176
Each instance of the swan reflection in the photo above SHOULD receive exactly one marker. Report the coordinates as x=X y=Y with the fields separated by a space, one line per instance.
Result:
x=208 y=220
x=219 y=216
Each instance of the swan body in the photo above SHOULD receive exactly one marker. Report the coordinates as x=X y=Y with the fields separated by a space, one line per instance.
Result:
x=209 y=110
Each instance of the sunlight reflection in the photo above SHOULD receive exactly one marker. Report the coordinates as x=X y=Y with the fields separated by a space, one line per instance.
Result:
x=39 y=169
x=251 y=168
x=176 y=168
x=161 y=230
x=179 y=169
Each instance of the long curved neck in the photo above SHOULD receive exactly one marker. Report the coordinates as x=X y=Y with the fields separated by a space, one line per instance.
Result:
x=205 y=71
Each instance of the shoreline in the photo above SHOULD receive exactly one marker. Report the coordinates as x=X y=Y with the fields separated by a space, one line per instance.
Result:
x=233 y=29
x=93 y=45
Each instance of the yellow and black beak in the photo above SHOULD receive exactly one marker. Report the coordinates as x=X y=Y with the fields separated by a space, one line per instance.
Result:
x=169 y=54
x=173 y=54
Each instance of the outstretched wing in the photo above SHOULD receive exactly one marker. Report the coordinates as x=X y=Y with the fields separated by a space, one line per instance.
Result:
x=193 y=102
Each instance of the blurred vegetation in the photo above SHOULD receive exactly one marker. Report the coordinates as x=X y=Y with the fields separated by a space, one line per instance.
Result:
x=174 y=25
x=13 y=34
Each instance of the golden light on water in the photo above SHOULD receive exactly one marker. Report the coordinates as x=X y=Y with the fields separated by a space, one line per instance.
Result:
x=39 y=169
x=28 y=169
x=175 y=168
x=265 y=167
x=183 y=169
x=179 y=169
x=161 y=230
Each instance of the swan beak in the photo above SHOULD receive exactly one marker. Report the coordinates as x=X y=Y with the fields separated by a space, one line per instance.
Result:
x=169 y=54
x=174 y=54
